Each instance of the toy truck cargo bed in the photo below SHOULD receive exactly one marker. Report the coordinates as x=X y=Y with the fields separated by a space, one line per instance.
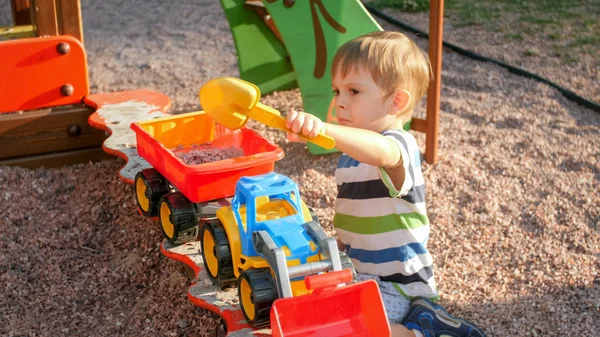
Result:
x=207 y=181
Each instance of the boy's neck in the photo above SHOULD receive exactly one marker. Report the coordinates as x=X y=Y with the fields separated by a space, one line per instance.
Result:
x=400 y=121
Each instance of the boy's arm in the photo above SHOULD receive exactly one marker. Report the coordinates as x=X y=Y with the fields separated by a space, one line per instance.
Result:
x=365 y=146
x=373 y=149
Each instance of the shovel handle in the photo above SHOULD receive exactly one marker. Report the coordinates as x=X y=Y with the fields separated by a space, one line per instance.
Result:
x=271 y=117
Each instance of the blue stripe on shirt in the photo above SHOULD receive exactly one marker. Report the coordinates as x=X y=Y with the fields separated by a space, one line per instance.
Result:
x=402 y=253
x=346 y=161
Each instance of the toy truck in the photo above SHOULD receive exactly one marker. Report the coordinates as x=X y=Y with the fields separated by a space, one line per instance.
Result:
x=267 y=241
x=182 y=195
x=288 y=271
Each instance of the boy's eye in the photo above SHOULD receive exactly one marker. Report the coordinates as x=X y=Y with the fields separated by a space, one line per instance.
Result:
x=336 y=92
x=353 y=91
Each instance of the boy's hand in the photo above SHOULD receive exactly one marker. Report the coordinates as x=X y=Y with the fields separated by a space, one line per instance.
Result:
x=304 y=123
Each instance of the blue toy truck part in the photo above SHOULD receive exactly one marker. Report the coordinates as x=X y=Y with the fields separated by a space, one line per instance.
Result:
x=287 y=231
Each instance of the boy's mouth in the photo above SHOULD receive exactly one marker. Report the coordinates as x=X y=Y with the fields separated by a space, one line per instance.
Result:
x=343 y=121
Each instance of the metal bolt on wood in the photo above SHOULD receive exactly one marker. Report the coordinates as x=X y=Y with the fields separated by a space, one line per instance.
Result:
x=67 y=90
x=63 y=48
x=74 y=130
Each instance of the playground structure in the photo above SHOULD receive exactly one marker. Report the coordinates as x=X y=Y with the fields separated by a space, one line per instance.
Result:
x=51 y=127
x=52 y=120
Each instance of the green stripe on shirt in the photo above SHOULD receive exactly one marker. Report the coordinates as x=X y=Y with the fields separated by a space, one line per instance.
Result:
x=379 y=224
x=399 y=290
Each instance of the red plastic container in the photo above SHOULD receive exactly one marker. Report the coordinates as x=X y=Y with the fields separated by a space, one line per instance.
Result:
x=354 y=310
x=209 y=181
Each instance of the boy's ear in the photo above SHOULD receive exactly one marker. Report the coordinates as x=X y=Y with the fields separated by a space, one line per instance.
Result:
x=400 y=101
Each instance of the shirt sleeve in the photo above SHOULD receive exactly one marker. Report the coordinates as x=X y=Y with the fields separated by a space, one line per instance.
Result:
x=397 y=138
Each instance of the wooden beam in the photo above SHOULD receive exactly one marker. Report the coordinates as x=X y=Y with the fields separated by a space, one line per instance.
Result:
x=59 y=159
x=21 y=12
x=43 y=16
x=47 y=130
x=69 y=18
x=436 y=28
x=419 y=125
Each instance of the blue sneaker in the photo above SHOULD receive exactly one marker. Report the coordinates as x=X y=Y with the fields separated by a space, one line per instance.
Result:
x=433 y=321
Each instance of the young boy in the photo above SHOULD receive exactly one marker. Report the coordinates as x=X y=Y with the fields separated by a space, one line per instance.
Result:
x=380 y=215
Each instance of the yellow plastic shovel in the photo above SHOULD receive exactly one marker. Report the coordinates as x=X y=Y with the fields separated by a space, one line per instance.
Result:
x=231 y=101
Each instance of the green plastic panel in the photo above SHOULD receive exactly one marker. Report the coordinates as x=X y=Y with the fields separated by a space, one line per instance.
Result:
x=262 y=57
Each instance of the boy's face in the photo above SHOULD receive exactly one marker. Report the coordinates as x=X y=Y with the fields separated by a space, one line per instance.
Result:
x=360 y=103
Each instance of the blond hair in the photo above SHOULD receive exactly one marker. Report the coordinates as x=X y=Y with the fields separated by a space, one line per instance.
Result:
x=394 y=61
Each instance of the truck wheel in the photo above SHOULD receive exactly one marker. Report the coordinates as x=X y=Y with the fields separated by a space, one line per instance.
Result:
x=177 y=218
x=150 y=186
x=347 y=263
x=257 y=292
x=216 y=253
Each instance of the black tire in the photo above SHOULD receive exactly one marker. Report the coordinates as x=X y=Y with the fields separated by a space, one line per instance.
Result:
x=177 y=218
x=347 y=263
x=216 y=254
x=149 y=187
x=256 y=305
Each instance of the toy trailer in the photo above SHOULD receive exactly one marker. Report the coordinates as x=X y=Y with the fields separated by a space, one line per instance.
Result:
x=181 y=195
x=272 y=244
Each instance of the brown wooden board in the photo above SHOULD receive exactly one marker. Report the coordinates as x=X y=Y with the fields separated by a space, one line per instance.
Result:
x=21 y=12
x=59 y=159
x=419 y=125
x=69 y=18
x=43 y=16
x=47 y=130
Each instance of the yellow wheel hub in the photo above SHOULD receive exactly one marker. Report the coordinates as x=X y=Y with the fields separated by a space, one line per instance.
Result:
x=165 y=220
x=246 y=298
x=208 y=248
x=140 y=194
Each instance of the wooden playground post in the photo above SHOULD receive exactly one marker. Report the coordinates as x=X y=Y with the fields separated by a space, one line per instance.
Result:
x=436 y=29
x=43 y=15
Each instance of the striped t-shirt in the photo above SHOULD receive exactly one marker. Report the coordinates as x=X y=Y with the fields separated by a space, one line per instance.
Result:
x=384 y=228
